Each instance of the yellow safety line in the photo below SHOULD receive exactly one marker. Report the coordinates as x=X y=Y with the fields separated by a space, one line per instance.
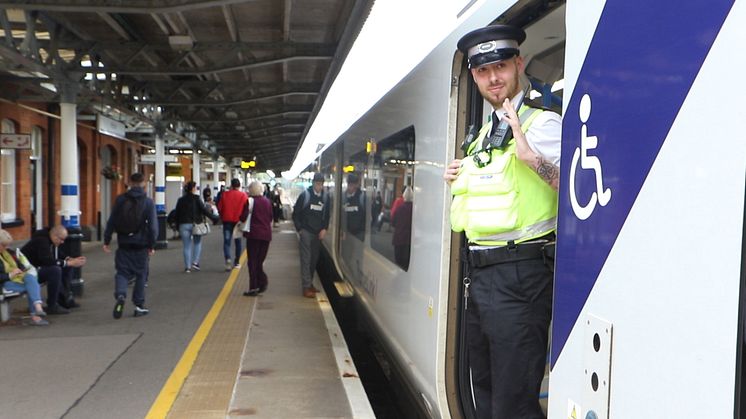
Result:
x=166 y=398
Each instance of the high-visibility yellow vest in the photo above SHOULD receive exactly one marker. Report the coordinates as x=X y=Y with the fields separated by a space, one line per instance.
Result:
x=505 y=200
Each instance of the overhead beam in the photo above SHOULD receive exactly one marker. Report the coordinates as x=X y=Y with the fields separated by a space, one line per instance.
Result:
x=203 y=71
x=242 y=133
x=221 y=103
x=293 y=137
x=115 y=25
x=298 y=110
x=233 y=86
x=117 y=6
x=298 y=48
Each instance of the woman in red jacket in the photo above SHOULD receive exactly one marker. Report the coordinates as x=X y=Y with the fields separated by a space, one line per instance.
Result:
x=258 y=211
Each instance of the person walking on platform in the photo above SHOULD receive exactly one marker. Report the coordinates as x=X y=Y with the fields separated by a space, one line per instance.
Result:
x=276 y=205
x=311 y=219
x=17 y=274
x=219 y=194
x=258 y=214
x=45 y=252
x=507 y=283
x=190 y=217
x=230 y=206
x=134 y=220
x=207 y=194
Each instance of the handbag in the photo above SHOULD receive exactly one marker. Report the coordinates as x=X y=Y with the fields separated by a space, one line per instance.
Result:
x=200 y=229
x=238 y=230
x=247 y=224
x=244 y=226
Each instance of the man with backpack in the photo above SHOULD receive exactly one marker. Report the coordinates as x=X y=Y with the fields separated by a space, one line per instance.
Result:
x=311 y=219
x=134 y=220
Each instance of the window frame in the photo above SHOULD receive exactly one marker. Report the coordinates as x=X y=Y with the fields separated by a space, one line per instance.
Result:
x=8 y=176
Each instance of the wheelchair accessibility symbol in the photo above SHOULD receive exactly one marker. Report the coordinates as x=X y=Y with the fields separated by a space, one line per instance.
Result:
x=600 y=196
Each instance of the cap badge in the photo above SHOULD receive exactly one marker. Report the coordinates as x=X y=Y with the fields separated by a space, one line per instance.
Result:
x=487 y=46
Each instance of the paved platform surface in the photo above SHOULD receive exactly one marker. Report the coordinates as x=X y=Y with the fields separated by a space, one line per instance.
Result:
x=295 y=363
x=268 y=356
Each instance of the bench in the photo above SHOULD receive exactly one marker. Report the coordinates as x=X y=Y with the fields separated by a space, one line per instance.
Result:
x=5 y=298
x=5 y=301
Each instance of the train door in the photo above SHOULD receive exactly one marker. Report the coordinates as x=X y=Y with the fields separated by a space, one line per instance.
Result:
x=458 y=383
x=649 y=264
x=543 y=54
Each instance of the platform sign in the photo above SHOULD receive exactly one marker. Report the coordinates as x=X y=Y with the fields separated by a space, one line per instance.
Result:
x=110 y=127
x=15 y=141
x=150 y=159
x=173 y=170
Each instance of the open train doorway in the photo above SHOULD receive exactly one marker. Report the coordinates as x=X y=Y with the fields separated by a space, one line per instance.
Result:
x=543 y=53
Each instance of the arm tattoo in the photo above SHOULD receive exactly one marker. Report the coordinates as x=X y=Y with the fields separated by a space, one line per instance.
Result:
x=547 y=171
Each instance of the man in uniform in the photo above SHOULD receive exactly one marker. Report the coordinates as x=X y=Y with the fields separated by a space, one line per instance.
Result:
x=508 y=286
x=311 y=219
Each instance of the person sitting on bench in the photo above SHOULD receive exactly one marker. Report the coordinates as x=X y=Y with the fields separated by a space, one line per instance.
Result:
x=17 y=274
x=46 y=253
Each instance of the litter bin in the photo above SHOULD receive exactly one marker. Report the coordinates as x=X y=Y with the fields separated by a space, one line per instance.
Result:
x=72 y=248
x=161 y=241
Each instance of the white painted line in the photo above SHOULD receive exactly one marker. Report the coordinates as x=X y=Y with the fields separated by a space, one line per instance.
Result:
x=359 y=403
x=243 y=354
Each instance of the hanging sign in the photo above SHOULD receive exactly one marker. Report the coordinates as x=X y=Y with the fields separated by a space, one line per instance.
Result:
x=15 y=141
x=110 y=126
x=150 y=158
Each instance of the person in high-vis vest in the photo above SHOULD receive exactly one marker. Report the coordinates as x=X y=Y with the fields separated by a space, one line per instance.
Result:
x=505 y=200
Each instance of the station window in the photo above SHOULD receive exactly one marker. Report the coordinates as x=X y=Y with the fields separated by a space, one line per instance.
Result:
x=8 y=176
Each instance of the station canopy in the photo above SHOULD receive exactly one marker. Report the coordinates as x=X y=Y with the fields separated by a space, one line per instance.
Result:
x=232 y=78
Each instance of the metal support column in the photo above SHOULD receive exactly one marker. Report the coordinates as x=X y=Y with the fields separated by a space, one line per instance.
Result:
x=160 y=187
x=69 y=175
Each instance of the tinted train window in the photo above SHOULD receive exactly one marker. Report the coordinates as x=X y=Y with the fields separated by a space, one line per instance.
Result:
x=389 y=175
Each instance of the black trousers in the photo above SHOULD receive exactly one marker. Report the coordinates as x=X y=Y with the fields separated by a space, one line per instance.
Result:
x=256 y=251
x=52 y=275
x=508 y=316
x=131 y=263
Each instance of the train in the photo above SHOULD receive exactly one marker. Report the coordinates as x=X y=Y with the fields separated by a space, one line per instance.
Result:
x=650 y=269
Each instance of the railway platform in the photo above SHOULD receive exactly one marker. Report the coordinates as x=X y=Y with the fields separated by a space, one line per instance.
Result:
x=204 y=351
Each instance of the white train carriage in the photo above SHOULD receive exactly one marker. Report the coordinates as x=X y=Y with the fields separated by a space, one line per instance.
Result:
x=649 y=269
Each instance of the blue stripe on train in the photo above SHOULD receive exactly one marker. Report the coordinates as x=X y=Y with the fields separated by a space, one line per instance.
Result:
x=640 y=66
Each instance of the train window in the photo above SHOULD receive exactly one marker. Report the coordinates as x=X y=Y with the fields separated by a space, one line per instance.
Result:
x=390 y=173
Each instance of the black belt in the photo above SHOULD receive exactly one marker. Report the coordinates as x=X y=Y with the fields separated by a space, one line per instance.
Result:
x=484 y=257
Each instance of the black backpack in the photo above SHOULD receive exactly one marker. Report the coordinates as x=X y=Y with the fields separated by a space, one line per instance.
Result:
x=129 y=217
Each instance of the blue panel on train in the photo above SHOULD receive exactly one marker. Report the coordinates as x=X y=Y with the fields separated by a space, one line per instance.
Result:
x=635 y=77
